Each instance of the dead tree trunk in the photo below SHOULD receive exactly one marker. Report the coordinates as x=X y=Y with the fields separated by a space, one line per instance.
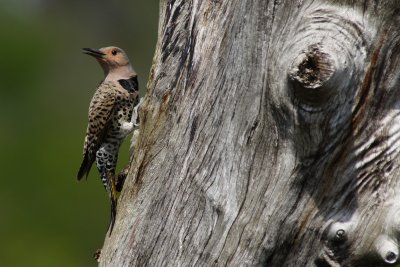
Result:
x=270 y=136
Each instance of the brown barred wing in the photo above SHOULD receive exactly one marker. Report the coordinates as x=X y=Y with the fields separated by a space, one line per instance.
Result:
x=100 y=110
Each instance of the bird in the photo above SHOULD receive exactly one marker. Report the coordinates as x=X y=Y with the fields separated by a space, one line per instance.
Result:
x=109 y=119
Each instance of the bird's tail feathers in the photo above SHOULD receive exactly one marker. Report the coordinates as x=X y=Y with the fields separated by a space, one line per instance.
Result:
x=108 y=180
x=113 y=215
x=85 y=168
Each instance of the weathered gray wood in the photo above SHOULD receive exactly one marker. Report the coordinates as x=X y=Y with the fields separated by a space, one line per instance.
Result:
x=269 y=137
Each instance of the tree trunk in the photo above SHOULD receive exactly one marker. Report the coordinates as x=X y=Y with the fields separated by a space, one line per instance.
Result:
x=269 y=136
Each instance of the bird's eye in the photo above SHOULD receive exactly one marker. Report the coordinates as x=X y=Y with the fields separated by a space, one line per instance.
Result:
x=114 y=52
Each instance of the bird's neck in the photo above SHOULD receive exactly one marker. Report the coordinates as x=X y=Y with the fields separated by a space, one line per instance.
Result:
x=124 y=72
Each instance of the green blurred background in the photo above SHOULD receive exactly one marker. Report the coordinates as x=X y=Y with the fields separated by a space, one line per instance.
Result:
x=46 y=82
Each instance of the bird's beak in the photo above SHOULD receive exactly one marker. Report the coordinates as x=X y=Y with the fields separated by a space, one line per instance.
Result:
x=93 y=52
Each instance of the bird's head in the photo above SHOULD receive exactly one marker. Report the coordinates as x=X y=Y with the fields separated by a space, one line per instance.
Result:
x=112 y=59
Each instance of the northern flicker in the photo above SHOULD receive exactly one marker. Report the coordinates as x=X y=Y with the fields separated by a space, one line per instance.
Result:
x=110 y=114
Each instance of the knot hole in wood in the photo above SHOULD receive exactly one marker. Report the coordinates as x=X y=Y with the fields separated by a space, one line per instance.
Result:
x=312 y=68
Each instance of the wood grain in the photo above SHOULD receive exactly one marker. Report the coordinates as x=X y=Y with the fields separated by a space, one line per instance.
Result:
x=269 y=136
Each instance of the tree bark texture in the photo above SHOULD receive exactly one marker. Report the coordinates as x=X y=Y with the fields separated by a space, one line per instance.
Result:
x=270 y=136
